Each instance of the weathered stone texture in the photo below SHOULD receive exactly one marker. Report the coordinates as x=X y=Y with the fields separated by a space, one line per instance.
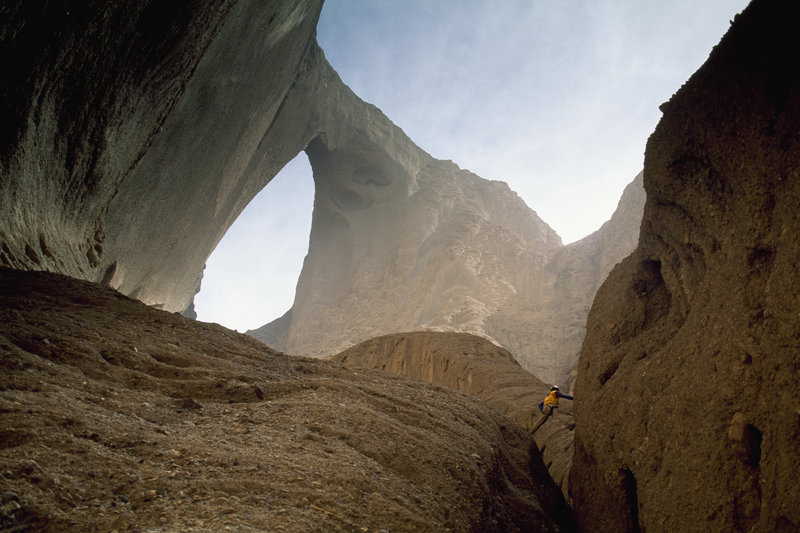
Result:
x=474 y=366
x=86 y=88
x=398 y=246
x=687 y=394
x=138 y=131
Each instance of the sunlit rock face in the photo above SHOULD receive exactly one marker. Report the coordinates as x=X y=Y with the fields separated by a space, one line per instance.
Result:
x=545 y=321
x=687 y=412
x=401 y=242
x=135 y=132
x=476 y=367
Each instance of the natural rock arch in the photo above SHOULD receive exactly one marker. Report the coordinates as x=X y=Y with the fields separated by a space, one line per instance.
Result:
x=131 y=172
x=132 y=175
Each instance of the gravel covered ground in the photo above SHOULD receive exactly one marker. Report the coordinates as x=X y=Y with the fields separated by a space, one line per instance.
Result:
x=116 y=416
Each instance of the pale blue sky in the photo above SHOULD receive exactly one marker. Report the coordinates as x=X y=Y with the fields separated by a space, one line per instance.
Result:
x=557 y=98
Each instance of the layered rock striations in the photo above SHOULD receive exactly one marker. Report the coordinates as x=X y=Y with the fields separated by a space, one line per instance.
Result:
x=474 y=366
x=466 y=363
x=687 y=406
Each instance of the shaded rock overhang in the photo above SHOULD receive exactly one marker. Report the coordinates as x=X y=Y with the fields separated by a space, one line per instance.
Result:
x=137 y=132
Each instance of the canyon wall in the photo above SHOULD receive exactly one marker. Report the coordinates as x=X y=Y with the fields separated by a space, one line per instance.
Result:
x=135 y=133
x=449 y=251
x=687 y=412
x=476 y=367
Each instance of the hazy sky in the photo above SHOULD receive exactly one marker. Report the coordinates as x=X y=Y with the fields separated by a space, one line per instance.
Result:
x=556 y=98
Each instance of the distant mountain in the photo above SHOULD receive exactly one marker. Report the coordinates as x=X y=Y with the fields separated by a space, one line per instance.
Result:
x=401 y=245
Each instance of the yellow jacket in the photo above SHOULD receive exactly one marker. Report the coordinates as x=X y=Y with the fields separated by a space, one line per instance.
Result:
x=552 y=398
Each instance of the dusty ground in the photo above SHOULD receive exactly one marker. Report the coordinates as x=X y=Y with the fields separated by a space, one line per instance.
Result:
x=116 y=416
x=474 y=366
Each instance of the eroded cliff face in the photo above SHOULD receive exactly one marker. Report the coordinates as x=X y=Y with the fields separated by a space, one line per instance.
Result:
x=246 y=111
x=85 y=90
x=478 y=368
x=137 y=132
x=546 y=322
x=402 y=244
x=687 y=408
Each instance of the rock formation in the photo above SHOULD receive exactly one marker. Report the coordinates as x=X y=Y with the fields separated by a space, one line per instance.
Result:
x=687 y=406
x=451 y=252
x=131 y=148
x=117 y=416
x=88 y=90
x=135 y=132
x=474 y=366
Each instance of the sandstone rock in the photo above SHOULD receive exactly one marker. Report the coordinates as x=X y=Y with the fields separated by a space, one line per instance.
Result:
x=449 y=251
x=544 y=326
x=462 y=362
x=686 y=409
x=473 y=366
x=81 y=108
x=238 y=122
x=333 y=449
x=260 y=391
x=131 y=148
x=745 y=439
x=189 y=403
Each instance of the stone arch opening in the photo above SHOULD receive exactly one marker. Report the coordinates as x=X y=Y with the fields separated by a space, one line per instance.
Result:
x=246 y=285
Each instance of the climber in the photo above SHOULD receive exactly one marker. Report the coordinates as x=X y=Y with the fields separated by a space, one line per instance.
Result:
x=549 y=406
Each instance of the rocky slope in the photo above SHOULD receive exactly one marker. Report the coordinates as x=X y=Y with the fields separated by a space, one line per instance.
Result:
x=476 y=367
x=117 y=416
x=687 y=413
